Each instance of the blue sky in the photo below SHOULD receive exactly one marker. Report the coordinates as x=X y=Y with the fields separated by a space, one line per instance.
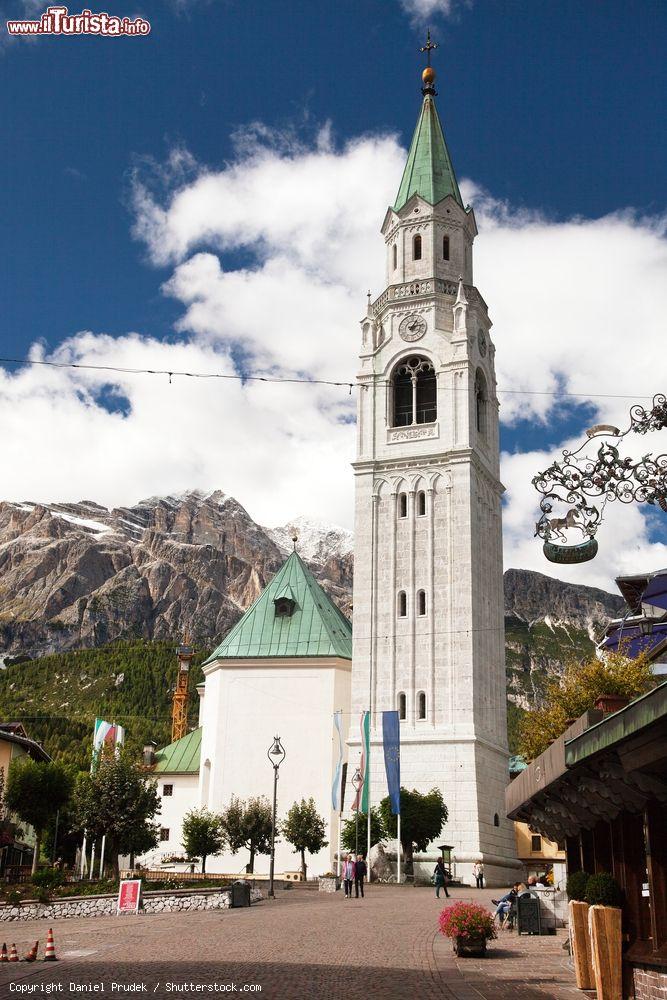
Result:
x=551 y=105
x=554 y=117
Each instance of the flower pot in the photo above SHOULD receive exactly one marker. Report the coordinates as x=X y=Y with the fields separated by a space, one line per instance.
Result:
x=470 y=947
x=604 y=923
x=580 y=940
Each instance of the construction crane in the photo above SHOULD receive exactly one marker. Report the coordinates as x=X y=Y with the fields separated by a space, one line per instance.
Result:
x=179 y=706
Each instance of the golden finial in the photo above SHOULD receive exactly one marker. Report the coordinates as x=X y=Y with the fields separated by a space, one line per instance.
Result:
x=295 y=538
x=428 y=75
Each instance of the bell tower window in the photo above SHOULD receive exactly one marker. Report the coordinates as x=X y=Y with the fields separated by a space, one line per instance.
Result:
x=394 y=256
x=481 y=400
x=421 y=602
x=417 y=247
x=421 y=504
x=402 y=604
x=421 y=705
x=414 y=389
x=402 y=504
x=402 y=707
x=445 y=247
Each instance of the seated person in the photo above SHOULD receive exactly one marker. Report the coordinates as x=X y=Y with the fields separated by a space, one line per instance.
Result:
x=504 y=904
x=536 y=883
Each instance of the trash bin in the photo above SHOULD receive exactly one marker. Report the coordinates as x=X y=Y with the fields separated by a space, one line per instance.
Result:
x=528 y=914
x=240 y=893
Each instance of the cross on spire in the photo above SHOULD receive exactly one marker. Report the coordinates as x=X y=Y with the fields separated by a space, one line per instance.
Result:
x=428 y=48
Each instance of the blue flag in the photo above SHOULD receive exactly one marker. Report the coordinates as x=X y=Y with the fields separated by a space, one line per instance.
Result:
x=336 y=800
x=391 y=742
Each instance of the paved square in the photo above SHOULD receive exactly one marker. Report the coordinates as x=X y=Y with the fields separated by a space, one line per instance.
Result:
x=303 y=944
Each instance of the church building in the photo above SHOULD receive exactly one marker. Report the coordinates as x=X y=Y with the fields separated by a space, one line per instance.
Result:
x=428 y=580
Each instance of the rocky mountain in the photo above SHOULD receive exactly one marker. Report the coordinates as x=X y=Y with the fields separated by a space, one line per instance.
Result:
x=547 y=623
x=77 y=576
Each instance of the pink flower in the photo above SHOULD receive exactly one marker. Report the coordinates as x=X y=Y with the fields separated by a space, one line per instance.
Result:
x=467 y=920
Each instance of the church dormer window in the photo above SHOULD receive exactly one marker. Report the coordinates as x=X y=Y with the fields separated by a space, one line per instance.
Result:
x=445 y=247
x=481 y=400
x=402 y=707
x=402 y=604
x=284 y=603
x=417 y=247
x=402 y=504
x=421 y=504
x=414 y=392
x=394 y=254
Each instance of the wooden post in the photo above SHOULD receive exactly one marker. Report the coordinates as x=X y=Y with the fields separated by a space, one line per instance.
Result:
x=605 y=926
x=581 y=945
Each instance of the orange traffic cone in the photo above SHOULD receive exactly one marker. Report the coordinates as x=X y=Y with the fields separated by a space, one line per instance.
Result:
x=50 y=953
x=32 y=954
x=13 y=954
x=3 y=954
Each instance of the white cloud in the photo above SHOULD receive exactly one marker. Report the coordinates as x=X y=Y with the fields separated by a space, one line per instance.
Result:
x=421 y=10
x=271 y=258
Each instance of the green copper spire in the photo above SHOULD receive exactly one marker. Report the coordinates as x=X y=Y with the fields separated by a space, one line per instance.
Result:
x=292 y=617
x=429 y=171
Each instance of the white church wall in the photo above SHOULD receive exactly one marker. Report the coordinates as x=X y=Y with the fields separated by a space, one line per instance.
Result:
x=171 y=815
x=246 y=705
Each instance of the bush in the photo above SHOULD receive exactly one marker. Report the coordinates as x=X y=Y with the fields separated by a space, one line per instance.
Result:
x=48 y=878
x=603 y=890
x=467 y=920
x=14 y=897
x=576 y=886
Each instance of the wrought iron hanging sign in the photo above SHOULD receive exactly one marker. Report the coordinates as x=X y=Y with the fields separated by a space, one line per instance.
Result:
x=576 y=489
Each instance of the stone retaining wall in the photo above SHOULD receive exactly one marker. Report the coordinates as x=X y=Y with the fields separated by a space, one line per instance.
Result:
x=105 y=906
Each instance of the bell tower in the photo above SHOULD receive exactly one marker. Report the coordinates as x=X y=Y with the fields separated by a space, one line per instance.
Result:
x=428 y=580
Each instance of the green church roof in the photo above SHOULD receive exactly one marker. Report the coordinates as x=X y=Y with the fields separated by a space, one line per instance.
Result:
x=316 y=626
x=181 y=757
x=429 y=171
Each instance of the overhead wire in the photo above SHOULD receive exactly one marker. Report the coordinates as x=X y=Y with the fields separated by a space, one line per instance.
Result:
x=294 y=379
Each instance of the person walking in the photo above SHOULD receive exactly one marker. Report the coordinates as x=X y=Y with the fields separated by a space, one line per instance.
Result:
x=478 y=873
x=348 y=875
x=360 y=870
x=440 y=878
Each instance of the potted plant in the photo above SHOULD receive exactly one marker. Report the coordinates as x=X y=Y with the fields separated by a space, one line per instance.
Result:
x=469 y=926
x=605 y=898
x=580 y=939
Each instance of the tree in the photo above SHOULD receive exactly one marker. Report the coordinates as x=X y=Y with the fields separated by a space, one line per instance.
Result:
x=35 y=791
x=348 y=837
x=576 y=692
x=117 y=801
x=248 y=824
x=422 y=819
x=304 y=830
x=203 y=835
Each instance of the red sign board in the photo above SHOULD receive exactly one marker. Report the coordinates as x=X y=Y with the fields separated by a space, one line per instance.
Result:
x=129 y=895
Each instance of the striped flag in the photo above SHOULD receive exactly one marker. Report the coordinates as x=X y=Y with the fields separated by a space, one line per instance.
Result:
x=336 y=798
x=361 y=798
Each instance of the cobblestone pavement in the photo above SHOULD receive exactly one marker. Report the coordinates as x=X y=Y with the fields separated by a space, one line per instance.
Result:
x=302 y=944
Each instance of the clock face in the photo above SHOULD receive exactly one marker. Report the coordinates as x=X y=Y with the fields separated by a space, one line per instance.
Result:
x=412 y=327
x=481 y=342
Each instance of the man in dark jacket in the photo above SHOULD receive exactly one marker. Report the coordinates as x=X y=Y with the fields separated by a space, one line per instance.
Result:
x=359 y=876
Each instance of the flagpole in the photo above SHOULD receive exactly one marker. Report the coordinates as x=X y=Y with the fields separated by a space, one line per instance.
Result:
x=368 y=818
x=398 y=849
x=339 y=845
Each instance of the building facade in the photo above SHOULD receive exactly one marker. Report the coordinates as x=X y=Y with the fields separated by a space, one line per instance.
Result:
x=428 y=588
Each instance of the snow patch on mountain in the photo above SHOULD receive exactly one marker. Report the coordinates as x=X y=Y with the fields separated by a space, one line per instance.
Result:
x=316 y=542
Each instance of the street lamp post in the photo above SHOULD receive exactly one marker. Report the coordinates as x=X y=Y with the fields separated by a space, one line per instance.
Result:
x=276 y=755
x=357 y=781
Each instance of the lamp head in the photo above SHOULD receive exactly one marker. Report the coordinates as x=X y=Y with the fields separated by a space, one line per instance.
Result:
x=276 y=752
